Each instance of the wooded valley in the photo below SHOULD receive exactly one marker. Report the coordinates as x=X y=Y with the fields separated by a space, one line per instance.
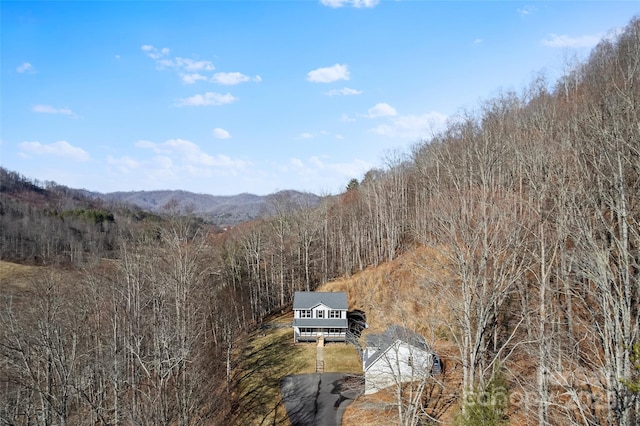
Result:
x=533 y=200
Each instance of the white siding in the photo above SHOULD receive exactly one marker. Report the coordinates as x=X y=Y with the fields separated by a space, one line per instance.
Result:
x=401 y=363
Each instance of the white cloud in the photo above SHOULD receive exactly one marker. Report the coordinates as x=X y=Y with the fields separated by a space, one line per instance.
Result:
x=220 y=133
x=192 y=78
x=229 y=78
x=162 y=59
x=124 y=164
x=413 y=126
x=209 y=98
x=477 y=41
x=527 y=10
x=25 y=67
x=191 y=65
x=328 y=74
x=381 y=109
x=564 y=40
x=309 y=135
x=191 y=71
x=354 y=3
x=59 y=149
x=48 y=109
x=155 y=53
x=315 y=168
x=346 y=118
x=345 y=91
x=188 y=156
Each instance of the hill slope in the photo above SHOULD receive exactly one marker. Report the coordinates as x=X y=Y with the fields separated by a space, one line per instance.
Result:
x=222 y=210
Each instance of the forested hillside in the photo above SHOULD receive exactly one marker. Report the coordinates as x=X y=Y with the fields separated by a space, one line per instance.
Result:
x=224 y=211
x=532 y=202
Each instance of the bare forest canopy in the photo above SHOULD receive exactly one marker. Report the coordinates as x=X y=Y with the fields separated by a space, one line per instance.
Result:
x=532 y=201
x=44 y=222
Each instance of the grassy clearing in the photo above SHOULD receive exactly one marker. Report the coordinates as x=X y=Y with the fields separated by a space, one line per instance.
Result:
x=15 y=275
x=341 y=358
x=268 y=357
x=271 y=355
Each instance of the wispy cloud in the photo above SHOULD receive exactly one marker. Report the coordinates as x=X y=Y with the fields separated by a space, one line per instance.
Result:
x=206 y=99
x=58 y=149
x=413 y=126
x=191 y=71
x=182 y=65
x=321 y=168
x=329 y=74
x=353 y=3
x=124 y=164
x=477 y=41
x=154 y=52
x=526 y=10
x=381 y=109
x=192 y=78
x=346 y=118
x=319 y=134
x=555 y=40
x=169 y=164
x=48 y=109
x=25 y=67
x=345 y=91
x=189 y=154
x=233 y=78
x=221 y=133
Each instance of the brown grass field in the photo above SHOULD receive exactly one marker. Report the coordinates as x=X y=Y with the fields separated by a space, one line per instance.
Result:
x=15 y=275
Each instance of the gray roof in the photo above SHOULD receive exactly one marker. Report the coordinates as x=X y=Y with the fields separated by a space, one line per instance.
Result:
x=310 y=299
x=320 y=322
x=384 y=341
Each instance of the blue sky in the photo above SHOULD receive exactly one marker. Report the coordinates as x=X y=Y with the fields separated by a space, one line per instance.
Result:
x=225 y=97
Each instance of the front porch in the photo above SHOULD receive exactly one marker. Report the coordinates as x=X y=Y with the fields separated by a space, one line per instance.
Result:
x=312 y=334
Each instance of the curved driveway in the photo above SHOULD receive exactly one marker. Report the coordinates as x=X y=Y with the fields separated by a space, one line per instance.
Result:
x=318 y=399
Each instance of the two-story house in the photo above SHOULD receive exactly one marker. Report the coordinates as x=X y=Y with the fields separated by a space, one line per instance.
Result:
x=319 y=314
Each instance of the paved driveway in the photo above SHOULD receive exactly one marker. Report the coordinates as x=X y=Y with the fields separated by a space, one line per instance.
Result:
x=319 y=399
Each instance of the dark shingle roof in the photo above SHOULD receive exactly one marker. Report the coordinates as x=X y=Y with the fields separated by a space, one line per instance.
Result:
x=309 y=299
x=384 y=341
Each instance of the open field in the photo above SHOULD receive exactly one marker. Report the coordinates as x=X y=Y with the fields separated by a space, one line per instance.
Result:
x=15 y=275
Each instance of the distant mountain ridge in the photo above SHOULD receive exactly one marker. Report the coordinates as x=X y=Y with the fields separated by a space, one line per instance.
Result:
x=223 y=210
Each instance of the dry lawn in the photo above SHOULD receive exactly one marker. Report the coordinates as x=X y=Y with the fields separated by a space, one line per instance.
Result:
x=341 y=358
x=398 y=292
x=269 y=356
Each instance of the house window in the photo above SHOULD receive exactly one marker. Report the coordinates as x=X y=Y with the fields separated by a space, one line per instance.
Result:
x=306 y=331
x=334 y=331
x=305 y=314
x=334 y=314
x=410 y=361
x=319 y=314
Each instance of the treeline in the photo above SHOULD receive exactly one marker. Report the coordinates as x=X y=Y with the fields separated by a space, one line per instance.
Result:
x=533 y=198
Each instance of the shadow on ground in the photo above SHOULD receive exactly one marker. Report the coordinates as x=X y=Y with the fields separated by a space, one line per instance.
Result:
x=267 y=359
